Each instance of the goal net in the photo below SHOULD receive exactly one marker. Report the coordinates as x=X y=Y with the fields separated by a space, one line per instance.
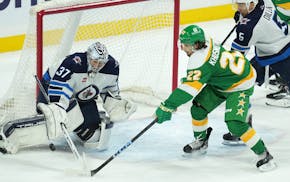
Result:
x=140 y=34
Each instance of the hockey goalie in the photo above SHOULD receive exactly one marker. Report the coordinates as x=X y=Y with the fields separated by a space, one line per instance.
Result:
x=72 y=87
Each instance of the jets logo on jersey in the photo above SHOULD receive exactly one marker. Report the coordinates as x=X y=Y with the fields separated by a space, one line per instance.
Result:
x=88 y=93
x=77 y=60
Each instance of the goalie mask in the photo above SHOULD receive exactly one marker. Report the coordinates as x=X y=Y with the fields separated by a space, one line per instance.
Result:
x=97 y=56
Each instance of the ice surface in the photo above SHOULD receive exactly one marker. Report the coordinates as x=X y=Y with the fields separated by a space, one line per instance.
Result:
x=157 y=155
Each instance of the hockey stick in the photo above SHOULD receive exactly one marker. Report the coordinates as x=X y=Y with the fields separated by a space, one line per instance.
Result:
x=51 y=145
x=267 y=76
x=230 y=33
x=63 y=127
x=95 y=171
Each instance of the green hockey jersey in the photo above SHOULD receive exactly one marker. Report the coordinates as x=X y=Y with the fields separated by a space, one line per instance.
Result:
x=283 y=9
x=227 y=71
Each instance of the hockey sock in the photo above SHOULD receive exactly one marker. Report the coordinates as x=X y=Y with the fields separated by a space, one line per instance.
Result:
x=259 y=147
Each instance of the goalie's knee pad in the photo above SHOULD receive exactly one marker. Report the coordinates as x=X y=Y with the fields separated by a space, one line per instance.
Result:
x=101 y=137
x=23 y=133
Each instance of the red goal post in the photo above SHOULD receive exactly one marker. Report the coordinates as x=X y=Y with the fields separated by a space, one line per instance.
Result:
x=141 y=34
x=78 y=7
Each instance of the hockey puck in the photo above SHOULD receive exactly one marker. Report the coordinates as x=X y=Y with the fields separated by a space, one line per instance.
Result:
x=52 y=147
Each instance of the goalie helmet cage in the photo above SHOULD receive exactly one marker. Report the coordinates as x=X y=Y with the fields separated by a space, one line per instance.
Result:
x=140 y=34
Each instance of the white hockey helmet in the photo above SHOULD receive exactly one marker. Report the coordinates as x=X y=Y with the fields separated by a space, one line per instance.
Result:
x=247 y=2
x=97 y=52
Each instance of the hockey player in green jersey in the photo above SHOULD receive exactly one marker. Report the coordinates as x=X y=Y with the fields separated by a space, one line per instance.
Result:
x=214 y=76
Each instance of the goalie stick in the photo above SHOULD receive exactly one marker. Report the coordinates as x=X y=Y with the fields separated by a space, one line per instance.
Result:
x=51 y=145
x=95 y=171
x=63 y=127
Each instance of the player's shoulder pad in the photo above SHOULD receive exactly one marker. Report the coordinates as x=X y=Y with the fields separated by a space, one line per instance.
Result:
x=111 y=67
x=76 y=62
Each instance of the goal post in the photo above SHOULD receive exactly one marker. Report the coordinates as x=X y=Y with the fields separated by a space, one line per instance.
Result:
x=141 y=35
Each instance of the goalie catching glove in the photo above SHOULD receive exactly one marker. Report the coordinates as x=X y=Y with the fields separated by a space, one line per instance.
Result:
x=118 y=109
x=164 y=113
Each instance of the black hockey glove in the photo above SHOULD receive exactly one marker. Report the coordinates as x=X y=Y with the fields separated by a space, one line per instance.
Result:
x=237 y=16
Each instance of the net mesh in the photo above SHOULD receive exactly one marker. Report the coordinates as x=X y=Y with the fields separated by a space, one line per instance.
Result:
x=139 y=35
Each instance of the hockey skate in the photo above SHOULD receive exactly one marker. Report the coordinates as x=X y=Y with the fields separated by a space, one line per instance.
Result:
x=280 y=98
x=3 y=150
x=5 y=145
x=199 y=145
x=97 y=139
x=265 y=162
x=232 y=140
x=276 y=84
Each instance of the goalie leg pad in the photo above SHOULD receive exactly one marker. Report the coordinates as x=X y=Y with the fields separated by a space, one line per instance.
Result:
x=75 y=116
x=54 y=115
x=23 y=133
x=32 y=131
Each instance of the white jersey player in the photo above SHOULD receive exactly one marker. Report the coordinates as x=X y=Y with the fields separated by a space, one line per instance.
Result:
x=72 y=86
x=260 y=26
x=263 y=29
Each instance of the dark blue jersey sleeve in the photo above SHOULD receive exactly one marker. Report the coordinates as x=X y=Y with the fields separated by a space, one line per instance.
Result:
x=244 y=30
x=60 y=87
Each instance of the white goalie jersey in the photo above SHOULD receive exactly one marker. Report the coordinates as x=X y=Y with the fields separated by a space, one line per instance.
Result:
x=70 y=79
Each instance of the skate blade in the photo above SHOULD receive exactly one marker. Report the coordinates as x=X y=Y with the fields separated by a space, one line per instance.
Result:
x=233 y=143
x=278 y=105
x=193 y=154
x=271 y=165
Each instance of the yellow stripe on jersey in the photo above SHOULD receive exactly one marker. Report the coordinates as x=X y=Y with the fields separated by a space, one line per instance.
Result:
x=284 y=6
x=250 y=76
x=191 y=88
x=210 y=50
x=199 y=125
x=195 y=84
x=188 y=89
